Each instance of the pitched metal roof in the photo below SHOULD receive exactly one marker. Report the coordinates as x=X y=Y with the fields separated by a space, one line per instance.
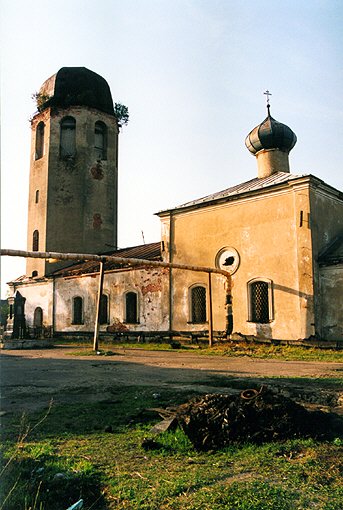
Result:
x=255 y=184
x=150 y=251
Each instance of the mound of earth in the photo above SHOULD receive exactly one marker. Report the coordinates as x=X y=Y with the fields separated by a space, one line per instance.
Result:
x=214 y=421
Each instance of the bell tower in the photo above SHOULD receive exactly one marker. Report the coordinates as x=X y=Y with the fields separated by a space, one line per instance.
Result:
x=73 y=194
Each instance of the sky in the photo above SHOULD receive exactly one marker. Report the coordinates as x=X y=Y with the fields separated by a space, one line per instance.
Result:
x=192 y=74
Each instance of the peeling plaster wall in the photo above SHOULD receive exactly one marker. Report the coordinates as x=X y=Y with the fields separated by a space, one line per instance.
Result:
x=151 y=286
x=266 y=232
x=38 y=294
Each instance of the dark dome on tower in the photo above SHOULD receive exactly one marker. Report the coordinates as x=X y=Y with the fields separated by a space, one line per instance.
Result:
x=270 y=134
x=77 y=86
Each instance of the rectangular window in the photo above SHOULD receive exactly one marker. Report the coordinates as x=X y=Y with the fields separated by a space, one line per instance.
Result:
x=77 y=310
x=131 y=308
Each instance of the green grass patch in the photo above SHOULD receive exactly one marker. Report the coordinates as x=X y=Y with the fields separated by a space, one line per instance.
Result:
x=94 y=451
x=259 y=351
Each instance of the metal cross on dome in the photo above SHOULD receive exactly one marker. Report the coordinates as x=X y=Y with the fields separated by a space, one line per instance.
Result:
x=267 y=93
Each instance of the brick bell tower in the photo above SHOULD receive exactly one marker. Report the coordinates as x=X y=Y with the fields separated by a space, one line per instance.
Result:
x=73 y=194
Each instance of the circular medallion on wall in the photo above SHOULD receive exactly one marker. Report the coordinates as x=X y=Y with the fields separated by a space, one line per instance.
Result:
x=228 y=259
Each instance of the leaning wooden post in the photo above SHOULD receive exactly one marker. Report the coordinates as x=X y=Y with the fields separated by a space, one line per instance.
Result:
x=97 y=316
x=210 y=321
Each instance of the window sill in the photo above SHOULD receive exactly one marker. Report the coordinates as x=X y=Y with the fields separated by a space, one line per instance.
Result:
x=197 y=323
x=261 y=323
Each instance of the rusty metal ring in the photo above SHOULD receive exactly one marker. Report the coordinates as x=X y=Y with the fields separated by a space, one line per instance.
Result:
x=249 y=394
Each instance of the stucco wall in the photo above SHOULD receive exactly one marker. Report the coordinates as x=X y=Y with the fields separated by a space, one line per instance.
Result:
x=326 y=225
x=266 y=232
x=331 y=294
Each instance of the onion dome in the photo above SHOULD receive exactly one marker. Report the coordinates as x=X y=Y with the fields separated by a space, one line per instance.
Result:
x=76 y=86
x=269 y=135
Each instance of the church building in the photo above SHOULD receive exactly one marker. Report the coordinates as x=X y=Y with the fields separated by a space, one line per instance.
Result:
x=279 y=236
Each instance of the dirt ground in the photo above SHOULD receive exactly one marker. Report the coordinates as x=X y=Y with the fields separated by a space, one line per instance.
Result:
x=31 y=378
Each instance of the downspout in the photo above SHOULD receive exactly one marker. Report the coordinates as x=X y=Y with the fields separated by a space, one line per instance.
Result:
x=228 y=308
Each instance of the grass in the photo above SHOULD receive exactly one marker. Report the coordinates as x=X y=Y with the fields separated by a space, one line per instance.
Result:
x=259 y=351
x=95 y=452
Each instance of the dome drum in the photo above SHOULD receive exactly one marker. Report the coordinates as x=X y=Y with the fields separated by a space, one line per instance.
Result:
x=270 y=142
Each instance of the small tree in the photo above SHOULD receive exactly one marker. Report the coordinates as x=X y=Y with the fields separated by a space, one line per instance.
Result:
x=122 y=113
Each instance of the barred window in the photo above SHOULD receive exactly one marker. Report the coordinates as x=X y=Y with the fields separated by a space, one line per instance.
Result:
x=68 y=137
x=131 y=308
x=260 y=301
x=198 y=304
x=77 y=310
x=39 y=141
x=100 y=140
x=103 y=315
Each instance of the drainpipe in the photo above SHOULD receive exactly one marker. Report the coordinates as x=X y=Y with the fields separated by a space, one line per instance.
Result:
x=228 y=308
x=135 y=263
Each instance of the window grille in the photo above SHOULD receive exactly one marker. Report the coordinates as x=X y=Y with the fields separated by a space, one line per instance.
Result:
x=35 y=241
x=103 y=315
x=100 y=140
x=77 y=310
x=131 y=315
x=198 y=304
x=39 y=141
x=68 y=137
x=259 y=295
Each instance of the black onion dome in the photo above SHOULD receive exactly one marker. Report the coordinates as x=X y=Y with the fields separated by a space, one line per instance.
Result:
x=270 y=134
x=77 y=86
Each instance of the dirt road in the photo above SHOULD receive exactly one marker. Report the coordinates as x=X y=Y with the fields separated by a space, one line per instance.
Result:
x=30 y=378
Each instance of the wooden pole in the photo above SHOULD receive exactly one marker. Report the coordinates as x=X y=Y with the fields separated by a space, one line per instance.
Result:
x=97 y=315
x=210 y=318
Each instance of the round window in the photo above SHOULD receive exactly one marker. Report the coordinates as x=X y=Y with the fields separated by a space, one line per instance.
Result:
x=228 y=259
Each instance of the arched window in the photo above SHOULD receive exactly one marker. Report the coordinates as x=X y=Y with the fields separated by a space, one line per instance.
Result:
x=103 y=315
x=131 y=308
x=38 y=317
x=100 y=140
x=34 y=273
x=37 y=196
x=77 y=310
x=198 y=304
x=68 y=137
x=35 y=241
x=39 y=141
x=260 y=300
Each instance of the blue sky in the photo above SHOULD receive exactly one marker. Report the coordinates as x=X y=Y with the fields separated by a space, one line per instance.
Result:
x=192 y=73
